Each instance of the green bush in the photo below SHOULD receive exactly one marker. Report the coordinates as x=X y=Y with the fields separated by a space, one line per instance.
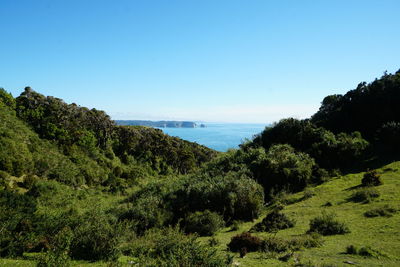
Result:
x=170 y=247
x=233 y=195
x=274 y=221
x=386 y=211
x=353 y=250
x=245 y=240
x=58 y=254
x=326 y=224
x=366 y=251
x=274 y=244
x=328 y=149
x=371 y=178
x=96 y=238
x=311 y=240
x=279 y=245
x=365 y=195
x=204 y=223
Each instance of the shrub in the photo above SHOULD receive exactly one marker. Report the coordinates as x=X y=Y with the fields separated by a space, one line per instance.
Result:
x=371 y=178
x=311 y=240
x=351 y=250
x=385 y=211
x=281 y=167
x=274 y=221
x=245 y=240
x=58 y=253
x=279 y=245
x=205 y=223
x=96 y=238
x=170 y=247
x=326 y=224
x=365 y=195
x=234 y=195
x=364 y=251
x=275 y=244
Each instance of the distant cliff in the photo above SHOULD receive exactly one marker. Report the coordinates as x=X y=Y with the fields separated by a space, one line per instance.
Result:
x=160 y=124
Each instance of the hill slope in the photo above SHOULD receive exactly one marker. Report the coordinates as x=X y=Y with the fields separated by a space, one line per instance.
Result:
x=380 y=233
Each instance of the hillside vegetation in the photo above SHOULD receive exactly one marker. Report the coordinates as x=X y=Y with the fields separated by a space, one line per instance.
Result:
x=75 y=188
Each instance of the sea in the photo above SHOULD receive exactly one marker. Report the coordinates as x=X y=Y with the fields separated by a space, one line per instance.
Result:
x=218 y=136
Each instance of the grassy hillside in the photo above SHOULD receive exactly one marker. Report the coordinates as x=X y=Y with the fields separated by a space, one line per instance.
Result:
x=75 y=189
x=380 y=233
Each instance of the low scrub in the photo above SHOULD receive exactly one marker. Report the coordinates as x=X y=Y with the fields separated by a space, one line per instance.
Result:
x=273 y=222
x=96 y=238
x=245 y=240
x=366 y=251
x=365 y=195
x=171 y=247
x=273 y=244
x=371 y=178
x=326 y=224
x=279 y=245
x=204 y=223
x=385 y=211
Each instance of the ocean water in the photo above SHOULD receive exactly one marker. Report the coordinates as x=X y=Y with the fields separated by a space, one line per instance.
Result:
x=218 y=136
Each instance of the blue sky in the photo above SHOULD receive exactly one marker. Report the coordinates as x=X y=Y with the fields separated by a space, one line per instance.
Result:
x=216 y=60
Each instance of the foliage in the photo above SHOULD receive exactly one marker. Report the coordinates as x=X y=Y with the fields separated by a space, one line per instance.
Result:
x=170 y=247
x=364 y=251
x=273 y=244
x=371 y=178
x=326 y=224
x=7 y=99
x=363 y=109
x=204 y=223
x=365 y=195
x=273 y=222
x=279 y=168
x=279 y=245
x=245 y=240
x=96 y=238
x=58 y=253
x=329 y=150
x=15 y=223
x=388 y=136
x=385 y=211
x=162 y=152
x=234 y=196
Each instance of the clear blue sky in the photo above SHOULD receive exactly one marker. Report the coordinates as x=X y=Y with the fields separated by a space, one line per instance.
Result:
x=211 y=60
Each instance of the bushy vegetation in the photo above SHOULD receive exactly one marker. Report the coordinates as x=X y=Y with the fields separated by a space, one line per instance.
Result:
x=371 y=178
x=273 y=222
x=328 y=150
x=170 y=247
x=204 y=223
x=365 y=195
x=384 y=211
x=364 y=251
x=279 y=168
x=245 y=240
x=326 y=224
x=250 y=243
x=233 y=197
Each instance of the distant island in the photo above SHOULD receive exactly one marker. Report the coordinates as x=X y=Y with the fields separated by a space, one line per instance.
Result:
x=161 y=124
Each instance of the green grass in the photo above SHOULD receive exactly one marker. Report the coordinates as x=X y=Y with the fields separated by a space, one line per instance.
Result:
x=380 y=233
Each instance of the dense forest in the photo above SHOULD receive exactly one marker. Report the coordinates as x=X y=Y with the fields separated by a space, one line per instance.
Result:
x=76 y=186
